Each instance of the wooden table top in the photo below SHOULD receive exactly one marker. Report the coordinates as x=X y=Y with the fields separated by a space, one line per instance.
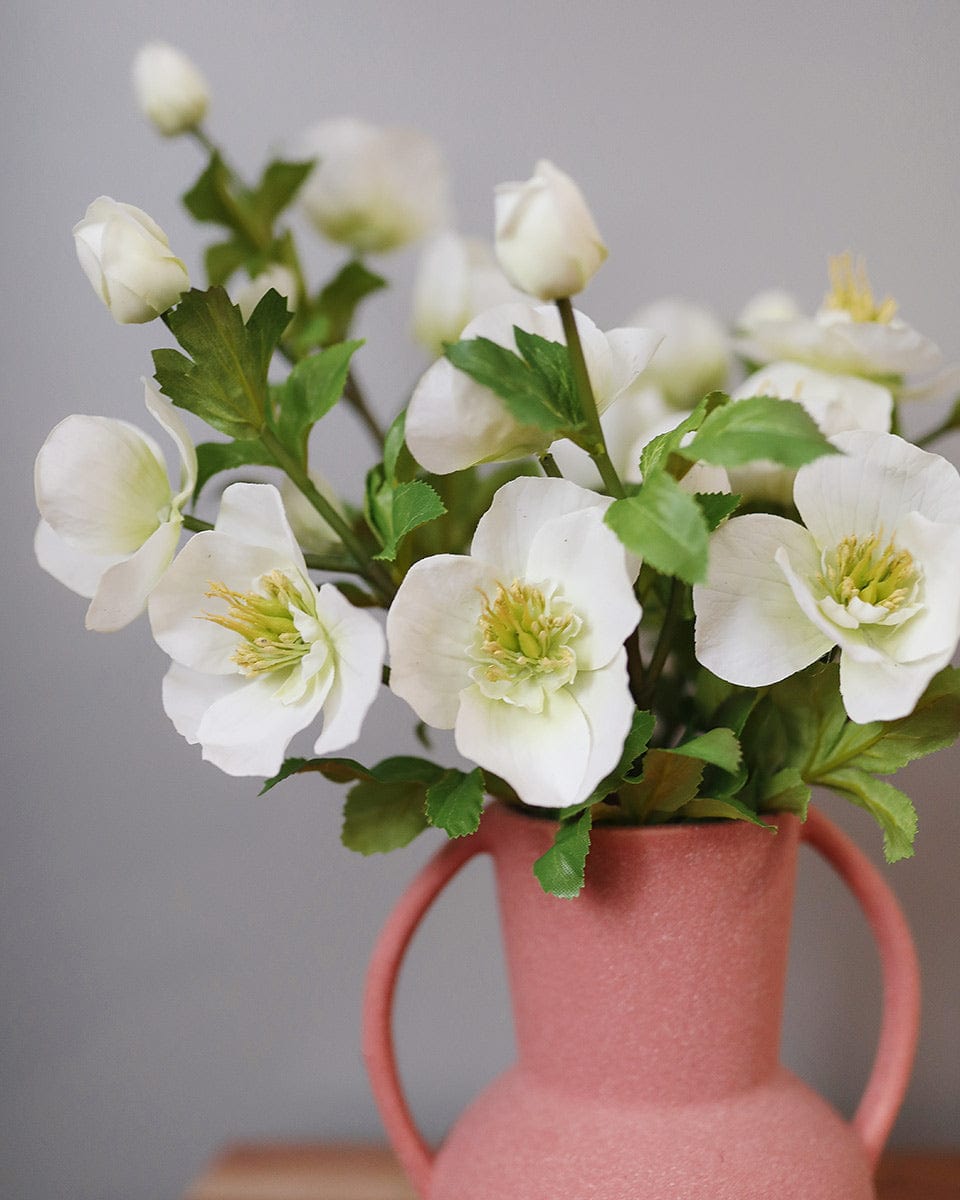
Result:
x=317 y=1171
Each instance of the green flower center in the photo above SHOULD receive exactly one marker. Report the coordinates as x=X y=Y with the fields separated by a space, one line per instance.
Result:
x=850 y=292
x=269 y=638
x=524 y=634
x=866 y=570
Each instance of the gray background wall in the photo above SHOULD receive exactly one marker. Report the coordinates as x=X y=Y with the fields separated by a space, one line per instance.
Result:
x=182 y=962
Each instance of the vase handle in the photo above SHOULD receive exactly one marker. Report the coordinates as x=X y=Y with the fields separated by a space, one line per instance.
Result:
x=900 y=1024
x=378 y=1050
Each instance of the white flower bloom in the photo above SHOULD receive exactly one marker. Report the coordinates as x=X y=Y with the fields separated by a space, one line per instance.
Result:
x=694 y=357
x=258 y=651
x=111 y=520
x=518 y=647
x=772 y=304
x=373 y=188
x=457 y=280
x=454 y=422
x=838 y=403
x=276 y=276
x=874 y=572
x=170 y=90
x=127 y=258
x=546 y=239
x=850 y=334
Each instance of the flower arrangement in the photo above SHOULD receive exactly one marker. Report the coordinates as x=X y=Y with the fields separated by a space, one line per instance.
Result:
x=637 y=588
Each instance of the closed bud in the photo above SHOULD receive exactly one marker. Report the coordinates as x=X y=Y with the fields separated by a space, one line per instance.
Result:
x=170 y=90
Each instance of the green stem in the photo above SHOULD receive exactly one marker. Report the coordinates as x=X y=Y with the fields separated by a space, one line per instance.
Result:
x=588 y=403
x=550 y=468
x=354 y=396
x=372 y=571
x=664 y=644
x=194 y=524
x=635 y=671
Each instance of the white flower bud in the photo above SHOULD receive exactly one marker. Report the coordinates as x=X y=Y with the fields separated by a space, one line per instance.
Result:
x=546 y=239
x=373 y=189
x=456 y=281
x=170 y=90
x=127 y=258
x=276 y=276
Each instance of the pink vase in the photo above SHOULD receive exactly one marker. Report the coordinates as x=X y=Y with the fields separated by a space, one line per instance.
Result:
x=648 y=1024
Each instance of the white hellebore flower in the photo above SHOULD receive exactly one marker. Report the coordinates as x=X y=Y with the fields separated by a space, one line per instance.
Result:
x=170 y=90
x=851 y=333
x=258 y=651
x=458 y=278
x=518 y=647
x=838 y=403
x=694 y=357
x=772 y=304
x=276 y=276
x=127 y=258
x=373 y=188
x=546 y=239
x=111 y=520
x=454 y=422
x=873 y=572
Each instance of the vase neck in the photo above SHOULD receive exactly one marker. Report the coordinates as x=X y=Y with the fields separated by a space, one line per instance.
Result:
x=664 y=979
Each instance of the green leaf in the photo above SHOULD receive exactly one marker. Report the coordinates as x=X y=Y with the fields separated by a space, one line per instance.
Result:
x=883 y=747
x=333 y=310
x=786 y=792
x=760 y=427
x=641 y=730
x=519 y=385
x=398 y=464
x=278 y=185
x=226 y=382
x=223 y=259
x=890 y=807
x=551 y=362
x=310 y=391
x=214 y=457
x=455 y=802
x=337 y=770
x=205 y=200
x=718 y=746
x=714 y=808
x=656 y=453
x=664 y=526
x=398 y=511
x=380 y=817
x=717 y=506
x=561 y=870
x=669 y=781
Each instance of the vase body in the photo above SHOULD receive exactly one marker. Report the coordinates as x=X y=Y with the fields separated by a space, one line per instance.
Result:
x=647 y=1015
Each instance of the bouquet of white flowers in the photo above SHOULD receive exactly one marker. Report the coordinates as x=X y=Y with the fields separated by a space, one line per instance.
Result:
x=637 y=589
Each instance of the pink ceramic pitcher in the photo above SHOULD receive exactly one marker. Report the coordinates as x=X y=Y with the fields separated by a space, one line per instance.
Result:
x=648 y=1024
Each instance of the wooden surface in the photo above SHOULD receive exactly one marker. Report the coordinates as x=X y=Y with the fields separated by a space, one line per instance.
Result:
x=334 y=1172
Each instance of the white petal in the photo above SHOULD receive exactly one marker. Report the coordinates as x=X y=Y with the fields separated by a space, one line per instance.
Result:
x=543 y=756
x=179 y=600
x=869 y=488
x=163 y=411
x=74 y=568
x=359 y=648
x=588 y=562
x=749 y=628
x=506 y=531
x=253 y=513
x=431 y=626
x=101 y=484
x=247 y=730
x=124 y=588
x=631 y=351
x=936 y=628
x=188 y=694
x=885 y=690
x=604 y=696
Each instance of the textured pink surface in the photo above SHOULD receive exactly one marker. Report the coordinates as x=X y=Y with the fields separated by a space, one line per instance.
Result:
x=648 y=1022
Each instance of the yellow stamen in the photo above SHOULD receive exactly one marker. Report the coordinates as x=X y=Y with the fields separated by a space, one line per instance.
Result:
x=850 y=292
x=521 y=633
x=263 y=620
x=865 y=569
